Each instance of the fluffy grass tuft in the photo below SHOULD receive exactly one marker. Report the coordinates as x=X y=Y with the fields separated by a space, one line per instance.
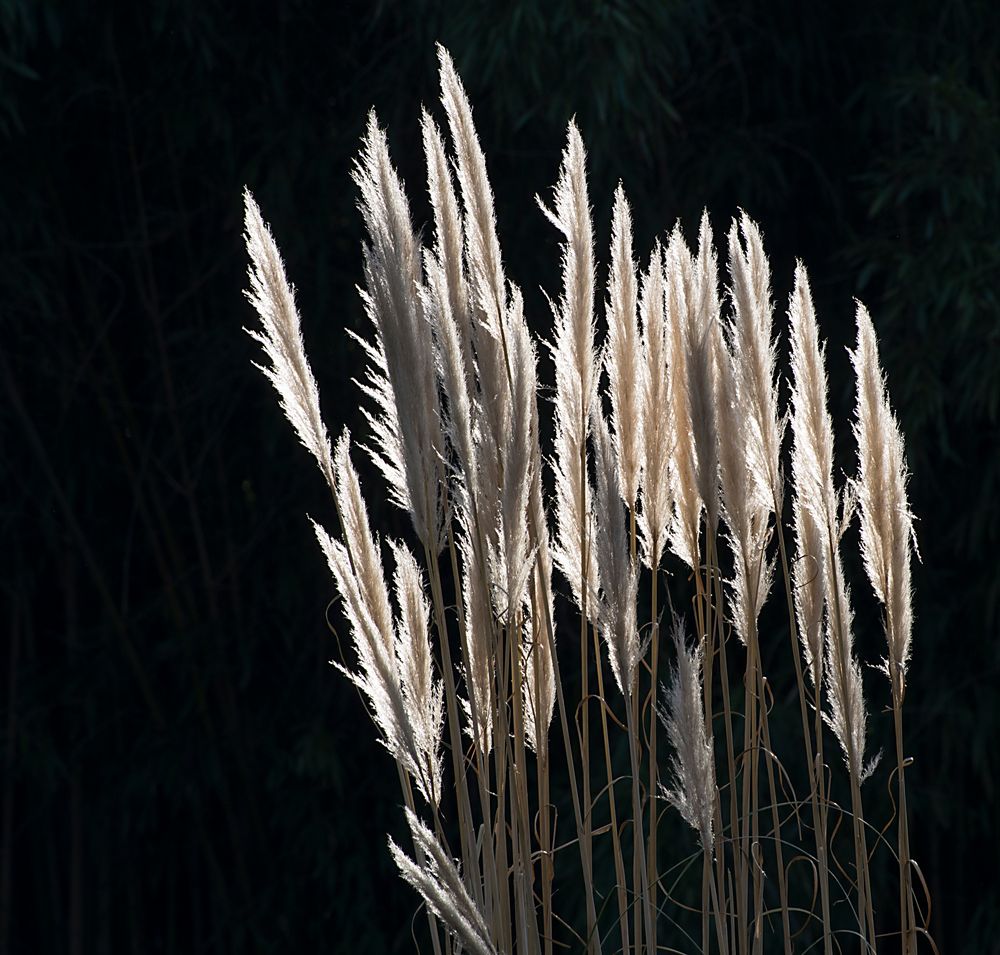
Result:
x=667 y=457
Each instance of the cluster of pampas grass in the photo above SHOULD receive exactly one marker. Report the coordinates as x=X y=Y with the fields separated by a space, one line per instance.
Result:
x=669 y=445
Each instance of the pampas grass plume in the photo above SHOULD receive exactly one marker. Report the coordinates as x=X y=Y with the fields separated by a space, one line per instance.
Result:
x=886 y=522
x=693 y=791
x=274 y=299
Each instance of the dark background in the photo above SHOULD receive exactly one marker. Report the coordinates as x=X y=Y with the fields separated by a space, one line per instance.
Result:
x=182 y=770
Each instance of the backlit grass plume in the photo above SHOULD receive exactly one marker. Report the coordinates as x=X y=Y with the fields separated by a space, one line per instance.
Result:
x=281 y=338
x=887 y=540
x=693 y=791
x=886 y=522
x=576 y=372
x=623 y=356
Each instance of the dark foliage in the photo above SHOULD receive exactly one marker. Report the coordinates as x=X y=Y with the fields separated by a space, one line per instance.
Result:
x=182 y=772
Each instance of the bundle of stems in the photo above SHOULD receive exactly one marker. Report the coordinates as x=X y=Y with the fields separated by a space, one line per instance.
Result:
x=669 y=453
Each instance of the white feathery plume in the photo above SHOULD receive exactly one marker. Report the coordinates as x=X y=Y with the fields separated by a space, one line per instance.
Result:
x=655 y=488
x=746 y=504
x=422 y=694
x=683 y=531
x=490 y=309
x=573 y=354
x=619 y=577
x=482 y=247
x=487 y=284
x=274 y=299
x=623 y=359
x=814 y=508
x=693 y=762
x=401 y=378
x=700 y=331
x=439 y=883
x=754 y=353
x=887 y=534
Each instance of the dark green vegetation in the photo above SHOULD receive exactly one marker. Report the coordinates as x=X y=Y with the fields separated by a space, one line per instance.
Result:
x=182 y=772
